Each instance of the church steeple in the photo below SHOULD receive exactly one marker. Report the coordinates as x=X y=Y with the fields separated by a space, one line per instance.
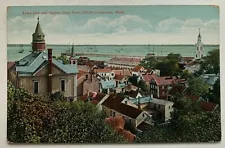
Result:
x=199 y=36
x=199 y=45
x=38 y=42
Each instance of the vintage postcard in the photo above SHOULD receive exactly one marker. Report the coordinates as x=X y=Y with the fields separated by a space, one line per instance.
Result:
x=113 y=74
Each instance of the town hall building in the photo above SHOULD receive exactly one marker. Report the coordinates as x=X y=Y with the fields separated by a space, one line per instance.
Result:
x=39 y=73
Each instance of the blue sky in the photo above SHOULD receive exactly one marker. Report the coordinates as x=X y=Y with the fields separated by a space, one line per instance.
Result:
x=136 y=25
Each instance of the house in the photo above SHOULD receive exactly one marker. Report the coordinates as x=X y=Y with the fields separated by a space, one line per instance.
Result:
x=113 y=107
x=107 y=86
x=157 y=108
x=159 y=86
x=121 y=82
x=125 y=72
x=138 y=70
x=39 y=73
x=91 y=83
x=134 y=94
x=124 y=62
x=95 y=98
x=81 y=77
x=130 y=87
x=105 y=74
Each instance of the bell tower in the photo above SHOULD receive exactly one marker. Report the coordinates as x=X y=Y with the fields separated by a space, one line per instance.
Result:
x=38 y=38
x=199 y=47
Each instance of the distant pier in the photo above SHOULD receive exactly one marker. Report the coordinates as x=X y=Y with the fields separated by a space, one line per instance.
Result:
x=101 y=55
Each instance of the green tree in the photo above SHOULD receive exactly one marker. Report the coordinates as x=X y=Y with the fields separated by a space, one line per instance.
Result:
x=216 y=92
x=211 y=63
x=64 y=59
x=168 y=68
x=149 y=62
x=197 y=86
x=36 y=119
x=187 y=125
x=133 y=80
x=174 y=57
x=141 y=84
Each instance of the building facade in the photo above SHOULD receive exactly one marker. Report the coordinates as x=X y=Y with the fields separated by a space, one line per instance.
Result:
x=39 y=73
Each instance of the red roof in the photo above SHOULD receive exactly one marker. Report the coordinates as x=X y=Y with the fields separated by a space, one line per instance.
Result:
x=118 y=124
x=165 y=80
x=119 y=77
x=81 y=73
x=10 y=64
x=208 y=106
x=124 y=72
x=125 y=60
x=126 y=134
x=96 y=97
x=137 y=68
x=148 y=78
x=114 y=102
x=106 y=70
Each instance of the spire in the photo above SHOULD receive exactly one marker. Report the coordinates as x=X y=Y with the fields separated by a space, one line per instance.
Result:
x=38 y=30
x=199 y=34
x=38 y=38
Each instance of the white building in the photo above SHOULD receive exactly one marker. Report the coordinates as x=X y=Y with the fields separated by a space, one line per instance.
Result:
x=199 y=47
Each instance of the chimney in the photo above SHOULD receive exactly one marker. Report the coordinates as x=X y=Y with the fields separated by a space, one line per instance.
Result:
x=139 y=105
x=88 y=93
x=49 y=70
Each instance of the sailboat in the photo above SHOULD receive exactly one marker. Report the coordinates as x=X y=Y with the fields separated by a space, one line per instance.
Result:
x=21 y=49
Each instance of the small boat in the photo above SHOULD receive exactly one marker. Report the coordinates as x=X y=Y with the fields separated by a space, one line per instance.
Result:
x=21 y=49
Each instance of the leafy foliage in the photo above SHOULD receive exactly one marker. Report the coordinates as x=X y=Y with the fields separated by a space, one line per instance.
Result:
x=211 y=63
x=149 y=62
x=36 y=119
x=168 y=68
x=196 y=86
x=64 y=59
x=189 y=124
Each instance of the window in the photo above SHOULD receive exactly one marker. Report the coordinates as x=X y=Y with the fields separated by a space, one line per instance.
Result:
x=86 y=76
x=169 y=107
x=143 y=115
x=62 y=84
x=74 y=62
x=130 y=120
x=158 y=106
x=36 y=88
x=162 y=87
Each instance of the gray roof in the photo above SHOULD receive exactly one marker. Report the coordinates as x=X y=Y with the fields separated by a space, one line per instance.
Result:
x=143 y=100
x=161 y=102
x=149 y=99
x=36 y=60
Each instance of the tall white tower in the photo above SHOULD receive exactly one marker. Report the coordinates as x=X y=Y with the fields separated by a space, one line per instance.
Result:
x=199 y=50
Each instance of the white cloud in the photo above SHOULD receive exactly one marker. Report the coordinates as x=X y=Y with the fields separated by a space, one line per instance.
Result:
x=127 y=29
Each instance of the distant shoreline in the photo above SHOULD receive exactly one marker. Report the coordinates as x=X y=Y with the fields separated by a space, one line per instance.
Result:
x=118 y=45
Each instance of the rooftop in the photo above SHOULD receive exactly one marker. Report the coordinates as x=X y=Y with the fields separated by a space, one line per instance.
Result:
x=122 y=72
x=36 y=60
x=114 y=102
x=137 y=68
x=106 y=70
x=108 y=84
x=160 y=101
x=10 y=64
